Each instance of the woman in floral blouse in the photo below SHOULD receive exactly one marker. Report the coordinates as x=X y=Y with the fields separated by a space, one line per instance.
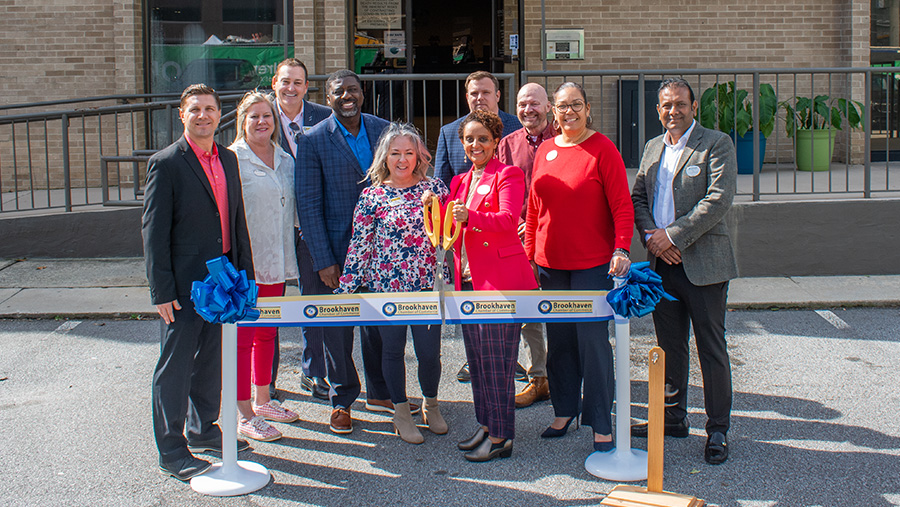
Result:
x=389 y=252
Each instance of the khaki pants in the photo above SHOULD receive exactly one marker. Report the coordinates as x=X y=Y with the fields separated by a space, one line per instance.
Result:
x=535 y=348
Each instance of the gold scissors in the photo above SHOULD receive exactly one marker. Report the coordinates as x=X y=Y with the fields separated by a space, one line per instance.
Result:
x=441 y=242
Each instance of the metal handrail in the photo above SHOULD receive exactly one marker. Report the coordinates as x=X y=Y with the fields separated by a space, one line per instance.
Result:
x=51 y=159
x=754 y=73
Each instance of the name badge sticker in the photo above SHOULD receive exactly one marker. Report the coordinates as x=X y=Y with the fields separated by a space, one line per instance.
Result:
x=551 y=155
x=483 y=189
x=692 y=171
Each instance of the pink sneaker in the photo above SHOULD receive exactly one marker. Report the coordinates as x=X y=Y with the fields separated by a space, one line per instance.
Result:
x=258 y=429
x=273 y=411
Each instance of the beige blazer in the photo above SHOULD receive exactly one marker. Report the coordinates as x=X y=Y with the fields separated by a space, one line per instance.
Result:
x=701 y=201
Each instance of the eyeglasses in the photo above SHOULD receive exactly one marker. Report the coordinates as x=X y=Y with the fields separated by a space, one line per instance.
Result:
x=576 y=107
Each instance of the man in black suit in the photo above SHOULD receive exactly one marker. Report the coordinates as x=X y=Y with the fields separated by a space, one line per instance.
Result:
x=193 y=212
x=298 y=115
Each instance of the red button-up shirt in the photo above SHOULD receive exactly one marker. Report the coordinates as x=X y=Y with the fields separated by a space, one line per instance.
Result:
x=518 y=149
x=215 y=173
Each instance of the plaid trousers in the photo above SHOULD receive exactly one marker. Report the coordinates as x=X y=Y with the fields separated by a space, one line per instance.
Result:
x=492 y=350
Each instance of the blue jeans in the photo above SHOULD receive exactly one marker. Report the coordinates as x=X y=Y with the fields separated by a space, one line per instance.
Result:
x=427 y=344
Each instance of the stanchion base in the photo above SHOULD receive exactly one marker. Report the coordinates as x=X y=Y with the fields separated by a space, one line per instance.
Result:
x=618 y=465
x=244 y=478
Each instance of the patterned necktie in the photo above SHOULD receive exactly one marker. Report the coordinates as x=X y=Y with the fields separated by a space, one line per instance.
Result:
x=296 y=130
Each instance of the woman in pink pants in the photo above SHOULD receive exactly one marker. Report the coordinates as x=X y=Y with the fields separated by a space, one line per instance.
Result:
x=267 y=183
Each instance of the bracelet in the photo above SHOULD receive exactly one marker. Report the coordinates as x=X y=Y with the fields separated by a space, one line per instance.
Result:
x=622 y=252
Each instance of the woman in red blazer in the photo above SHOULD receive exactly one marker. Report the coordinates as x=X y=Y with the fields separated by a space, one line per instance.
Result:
x=490 y=256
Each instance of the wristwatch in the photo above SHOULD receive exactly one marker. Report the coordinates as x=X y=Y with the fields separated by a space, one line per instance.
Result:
x=622 y=252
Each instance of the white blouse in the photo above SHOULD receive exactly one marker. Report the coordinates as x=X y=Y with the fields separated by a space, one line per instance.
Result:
x=271 y=211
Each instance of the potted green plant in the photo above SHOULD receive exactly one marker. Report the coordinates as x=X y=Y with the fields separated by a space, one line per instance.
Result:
x=816 y=122
x=729 y=109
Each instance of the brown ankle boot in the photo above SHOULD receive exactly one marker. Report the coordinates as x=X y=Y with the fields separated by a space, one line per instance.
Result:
x=431 y=415
x=404 y=425
x=537 y=390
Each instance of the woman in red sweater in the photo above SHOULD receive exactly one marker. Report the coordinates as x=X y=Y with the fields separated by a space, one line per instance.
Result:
x=578 y=231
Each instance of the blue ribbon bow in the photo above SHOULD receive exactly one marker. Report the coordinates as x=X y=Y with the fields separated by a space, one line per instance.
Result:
x=225 y=296
x=640 y=292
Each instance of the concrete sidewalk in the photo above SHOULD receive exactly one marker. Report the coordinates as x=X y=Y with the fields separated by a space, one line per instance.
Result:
x=116 y=288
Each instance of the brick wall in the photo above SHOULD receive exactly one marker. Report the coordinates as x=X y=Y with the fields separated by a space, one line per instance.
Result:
x=706 y=34
x=629 y=34
x=60 y=49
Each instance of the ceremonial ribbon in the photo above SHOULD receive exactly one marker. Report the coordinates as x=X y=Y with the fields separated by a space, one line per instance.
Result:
x=225 y=296
x=639 y=294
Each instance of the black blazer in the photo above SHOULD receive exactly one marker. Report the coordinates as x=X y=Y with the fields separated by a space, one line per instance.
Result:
x=312 y=114
x=180 y=224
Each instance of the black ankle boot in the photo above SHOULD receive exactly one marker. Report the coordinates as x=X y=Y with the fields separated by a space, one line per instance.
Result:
x=474 y=441
x=489 y=450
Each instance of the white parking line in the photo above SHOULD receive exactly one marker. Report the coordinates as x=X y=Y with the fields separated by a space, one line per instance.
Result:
x=67 y=326
x=833 y=319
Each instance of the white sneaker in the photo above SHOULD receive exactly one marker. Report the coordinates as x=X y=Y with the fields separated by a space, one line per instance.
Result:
x=258 y=429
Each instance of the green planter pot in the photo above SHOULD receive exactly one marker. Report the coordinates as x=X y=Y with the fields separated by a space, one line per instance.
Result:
x=813 y=149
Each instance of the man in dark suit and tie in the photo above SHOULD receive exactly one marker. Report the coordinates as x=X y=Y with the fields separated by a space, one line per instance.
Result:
x=684 y=188
x=332 y=160
x=193 y=212
x=482 y=92
x=298 y=115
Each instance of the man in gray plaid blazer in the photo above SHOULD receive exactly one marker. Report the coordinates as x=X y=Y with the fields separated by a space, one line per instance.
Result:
x=683 y=190
x=332 y=160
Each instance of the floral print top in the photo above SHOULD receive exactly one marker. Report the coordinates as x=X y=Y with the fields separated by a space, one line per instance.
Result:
x=389 y=250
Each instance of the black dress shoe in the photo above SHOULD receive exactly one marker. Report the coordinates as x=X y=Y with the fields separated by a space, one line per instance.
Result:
x=185 y=468
x=214 y=445
x=716 y=451
x=489 y=450
x=678 y=429
x=474 y=441
x=521 y=373
x=275 y=394
x=317 y=386
x=464 y=375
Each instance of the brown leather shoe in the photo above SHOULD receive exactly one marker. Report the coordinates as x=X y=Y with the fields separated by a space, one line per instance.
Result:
x=341 y=421
x=537 y=390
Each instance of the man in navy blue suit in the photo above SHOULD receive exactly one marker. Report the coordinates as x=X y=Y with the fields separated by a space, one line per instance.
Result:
x=482 y=92
x=298 y=115
x=332 y=160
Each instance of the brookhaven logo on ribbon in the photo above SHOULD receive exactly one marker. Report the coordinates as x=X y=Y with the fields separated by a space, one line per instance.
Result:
x=468 y=307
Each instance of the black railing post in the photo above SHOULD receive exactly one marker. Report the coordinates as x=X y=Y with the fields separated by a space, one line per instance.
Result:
x=65 y=153
x=642 y=135
x=867 y=146
x=757 y=163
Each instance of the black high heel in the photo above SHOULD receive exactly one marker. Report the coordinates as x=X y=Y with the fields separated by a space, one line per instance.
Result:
x=552 y=432
x=604 y=446
x=473 y=442
x=489 y=450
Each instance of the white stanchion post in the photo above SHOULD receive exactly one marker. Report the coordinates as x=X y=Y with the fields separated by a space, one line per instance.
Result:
x=622 y=463
x=230 y=477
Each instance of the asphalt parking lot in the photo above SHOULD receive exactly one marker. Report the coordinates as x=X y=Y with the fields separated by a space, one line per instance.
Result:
x=814 y=423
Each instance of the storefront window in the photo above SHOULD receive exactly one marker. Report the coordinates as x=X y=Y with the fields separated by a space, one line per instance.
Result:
x=227 y=44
